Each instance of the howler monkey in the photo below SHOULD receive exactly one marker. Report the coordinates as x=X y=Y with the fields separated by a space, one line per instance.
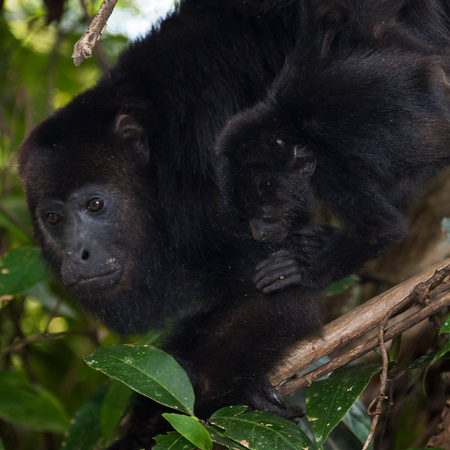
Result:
x=361 y=124
x=121 y=187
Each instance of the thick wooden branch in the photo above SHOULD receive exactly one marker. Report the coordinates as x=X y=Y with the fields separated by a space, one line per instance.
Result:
x=84 y=46
x=358 y=322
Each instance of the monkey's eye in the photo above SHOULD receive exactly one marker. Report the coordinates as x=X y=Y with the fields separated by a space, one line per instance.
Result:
x=53 y=218
x=95 y=204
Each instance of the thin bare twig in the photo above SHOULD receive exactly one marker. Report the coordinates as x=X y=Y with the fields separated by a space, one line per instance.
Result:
x=84 y=46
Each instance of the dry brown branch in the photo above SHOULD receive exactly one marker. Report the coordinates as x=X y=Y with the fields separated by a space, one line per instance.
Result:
x=83 y=47
x=361 y=320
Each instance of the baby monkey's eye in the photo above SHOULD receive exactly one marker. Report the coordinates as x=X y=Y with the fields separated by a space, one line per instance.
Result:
x=95 y=204
x=53 y=218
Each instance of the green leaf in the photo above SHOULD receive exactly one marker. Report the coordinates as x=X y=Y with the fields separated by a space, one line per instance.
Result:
x=446 y=348
x=259 y=430
x=30 y=406
x=446 y=327
x=147 y=370
x=328 y=401
x=342 y=285
x=395 y=348
x=84 y=431
x=445 y=224
x=358 y=422
x=422 y=361
x=173 y=441
x=113 y=408
x=191 y=429
x=21 y=269
x=218 y=436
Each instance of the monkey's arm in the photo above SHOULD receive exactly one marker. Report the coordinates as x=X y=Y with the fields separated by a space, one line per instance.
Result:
x=319 y=255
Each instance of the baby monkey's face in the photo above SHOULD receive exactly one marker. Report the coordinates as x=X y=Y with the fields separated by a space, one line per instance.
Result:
x=268 y=180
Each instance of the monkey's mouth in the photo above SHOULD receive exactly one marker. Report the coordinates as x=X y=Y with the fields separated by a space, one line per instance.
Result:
x=265 y=231
x=98 y=280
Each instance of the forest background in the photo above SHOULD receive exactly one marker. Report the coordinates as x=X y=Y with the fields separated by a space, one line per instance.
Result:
x=44 y=336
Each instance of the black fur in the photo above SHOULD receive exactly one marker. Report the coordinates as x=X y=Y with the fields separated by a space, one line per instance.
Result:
x=122 y=191
x=362 y=122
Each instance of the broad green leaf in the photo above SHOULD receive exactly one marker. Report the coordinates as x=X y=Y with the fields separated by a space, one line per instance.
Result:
x=113 y=408
x=422 y=361
x=446 y=348
x=445 y=224
x=259 y=430
x=358 y=422
x=191 y=429
x=328 y=401
x=218 y=436
x=446 y=327
x=84 y=431
x=173 y=441
x=147 y=370
x=21 y=269
x=428 y=448
x=395 y=348
x=30 y=406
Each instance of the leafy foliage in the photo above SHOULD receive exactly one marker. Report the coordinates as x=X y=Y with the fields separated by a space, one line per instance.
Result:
x=191 y=429
x=44 y=336
x=173 y=441
x=147 y=370
x=21 y=269
x=259 y=430
x=30 y=406
x=329 y=400
x=84 y=432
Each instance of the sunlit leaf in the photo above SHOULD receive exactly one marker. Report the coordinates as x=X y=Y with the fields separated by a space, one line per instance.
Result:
x=191 y=429
x=147 y=370
x=328 y=401
x=259 y=430
x=446 y=327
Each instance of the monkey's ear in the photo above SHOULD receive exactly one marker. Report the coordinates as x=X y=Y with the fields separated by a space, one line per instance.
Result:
x=303 y=161
x=133 y=133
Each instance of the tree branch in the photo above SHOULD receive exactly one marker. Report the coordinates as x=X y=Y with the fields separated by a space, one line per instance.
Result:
x=361 y=320
x=84 y=46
